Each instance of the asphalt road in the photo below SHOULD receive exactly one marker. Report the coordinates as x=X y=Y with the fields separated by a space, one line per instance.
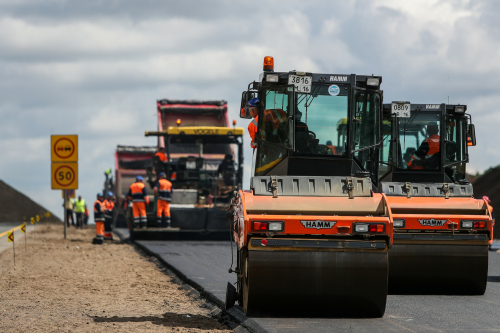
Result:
x=206 y=263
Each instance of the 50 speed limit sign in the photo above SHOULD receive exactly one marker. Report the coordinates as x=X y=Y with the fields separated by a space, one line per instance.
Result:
x=64 y=176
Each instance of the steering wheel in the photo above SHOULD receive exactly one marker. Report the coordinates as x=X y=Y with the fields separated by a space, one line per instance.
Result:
x=312 y=134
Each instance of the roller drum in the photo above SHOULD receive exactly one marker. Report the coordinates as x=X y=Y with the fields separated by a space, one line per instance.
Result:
x=442 y=269
x=315 y=283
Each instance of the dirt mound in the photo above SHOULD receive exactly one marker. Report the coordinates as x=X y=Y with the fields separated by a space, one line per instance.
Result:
x=14 y=206
x=489 y=184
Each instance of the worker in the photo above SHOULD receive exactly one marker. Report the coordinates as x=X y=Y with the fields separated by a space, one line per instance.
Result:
x=109 y=207
x=426 y=156
x=163 y=191
x=487 y=199
x=252 y=106
x=80 y=211
x=161 y=154
x=99 y=219
x=139 y=197
x=330 y=145
x=69 y=210
x=86 y=215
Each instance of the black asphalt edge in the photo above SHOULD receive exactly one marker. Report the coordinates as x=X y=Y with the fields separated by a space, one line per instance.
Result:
x=235 y=313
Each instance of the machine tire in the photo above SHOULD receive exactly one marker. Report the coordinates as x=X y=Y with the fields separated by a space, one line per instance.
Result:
x=230 y=295
x=247 y=308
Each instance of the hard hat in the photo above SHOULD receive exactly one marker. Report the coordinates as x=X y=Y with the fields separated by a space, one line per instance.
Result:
x=139 y=178
x=110 y=194
x=253 y=102
x=99 y=194
x=162 y=174
x=487 y=199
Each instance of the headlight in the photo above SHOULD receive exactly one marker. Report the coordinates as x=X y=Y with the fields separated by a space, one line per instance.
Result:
x=373 y=81
x=399 y=223
x=275 y=226
x=467 y=224
x=272 y=78
x=361 y=228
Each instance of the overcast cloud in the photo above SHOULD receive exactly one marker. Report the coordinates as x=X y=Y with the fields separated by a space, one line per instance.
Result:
x=96 y=68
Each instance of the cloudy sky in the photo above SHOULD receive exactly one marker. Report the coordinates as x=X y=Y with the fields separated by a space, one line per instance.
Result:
x=96 y=68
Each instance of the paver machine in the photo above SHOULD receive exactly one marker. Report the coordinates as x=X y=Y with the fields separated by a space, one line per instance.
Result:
x=441 y=231
x=312 y=233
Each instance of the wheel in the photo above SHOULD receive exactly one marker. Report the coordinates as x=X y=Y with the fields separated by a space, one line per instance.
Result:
x=244 y=274
x=230 y=296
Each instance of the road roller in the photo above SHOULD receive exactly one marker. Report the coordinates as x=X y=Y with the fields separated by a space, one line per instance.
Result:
x=441 y=231
x=312 y=232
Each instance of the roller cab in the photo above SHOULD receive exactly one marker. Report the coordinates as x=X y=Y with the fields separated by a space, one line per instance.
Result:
x=312 y=233
x=441 y=232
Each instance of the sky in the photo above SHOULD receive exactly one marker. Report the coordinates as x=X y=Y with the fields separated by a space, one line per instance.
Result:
x=96 y=68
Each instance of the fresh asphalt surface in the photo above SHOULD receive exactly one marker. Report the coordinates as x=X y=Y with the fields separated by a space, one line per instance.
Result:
x=207 y=263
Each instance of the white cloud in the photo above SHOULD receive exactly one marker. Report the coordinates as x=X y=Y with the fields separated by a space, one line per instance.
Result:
x=97 y=68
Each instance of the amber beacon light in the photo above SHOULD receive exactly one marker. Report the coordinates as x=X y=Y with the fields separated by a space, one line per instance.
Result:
x=268 y=64
x=178 y=122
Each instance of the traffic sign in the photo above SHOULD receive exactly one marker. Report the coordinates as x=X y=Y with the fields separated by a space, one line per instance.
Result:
x=64 y=176
x=71 y=193
x=11 y=237
x=64 y=148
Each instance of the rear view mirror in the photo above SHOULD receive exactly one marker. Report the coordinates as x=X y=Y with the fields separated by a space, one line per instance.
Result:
x=471 y=135
x=245 y=97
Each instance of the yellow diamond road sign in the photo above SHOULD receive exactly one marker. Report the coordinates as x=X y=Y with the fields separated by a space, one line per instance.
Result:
x=64 y=176
x=64 y=148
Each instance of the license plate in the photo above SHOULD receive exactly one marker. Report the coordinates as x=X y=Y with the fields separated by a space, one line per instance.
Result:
x=401 y=110
x=302 y=83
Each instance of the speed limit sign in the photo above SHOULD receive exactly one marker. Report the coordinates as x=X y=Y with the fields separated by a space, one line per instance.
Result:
x=64 y=176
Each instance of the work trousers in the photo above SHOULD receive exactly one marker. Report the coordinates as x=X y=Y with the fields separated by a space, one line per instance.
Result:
x=163 y=208
x=99 y=231
x=69 y=214
x=108 y=221
x=79 y=219
x=139 y=211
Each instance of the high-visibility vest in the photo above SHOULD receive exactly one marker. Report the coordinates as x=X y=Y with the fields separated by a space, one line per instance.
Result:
x=164 y=190
x=98 y=211
x=80 y=206
x=252 y=129
x=108 y=208
x=138 y=192
x=433 y=142
x=162 y=156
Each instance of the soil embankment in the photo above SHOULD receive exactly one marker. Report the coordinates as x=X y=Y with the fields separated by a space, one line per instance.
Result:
x=489 y=184
x=17 y=207
x=71 y=285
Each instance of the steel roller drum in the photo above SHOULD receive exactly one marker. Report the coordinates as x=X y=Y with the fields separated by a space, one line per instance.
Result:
x=440 y=268
x=315 y=283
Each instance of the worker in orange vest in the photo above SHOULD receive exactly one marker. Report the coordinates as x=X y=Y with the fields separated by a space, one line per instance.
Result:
x=109 y=207
x=254 y=112
x=139 y=197
x=161 y=154
x=99 y=219
x=163 y=191
x=425 y=156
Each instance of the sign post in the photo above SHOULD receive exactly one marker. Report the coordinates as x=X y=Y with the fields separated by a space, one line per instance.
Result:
x=64 y=170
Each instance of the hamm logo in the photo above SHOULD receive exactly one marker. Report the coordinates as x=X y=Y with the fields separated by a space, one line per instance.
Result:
x=318 y=224
x=432 y=223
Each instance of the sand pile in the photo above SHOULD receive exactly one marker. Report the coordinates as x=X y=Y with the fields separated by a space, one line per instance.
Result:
x=14 y=206
x=489 y=184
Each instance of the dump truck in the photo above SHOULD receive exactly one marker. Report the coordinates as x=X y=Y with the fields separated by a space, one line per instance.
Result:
x=130 y=162
x=441 y=231
x=312 y=233
x=205 y=165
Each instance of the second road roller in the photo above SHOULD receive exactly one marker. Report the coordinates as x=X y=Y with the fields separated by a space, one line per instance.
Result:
x=441 y=231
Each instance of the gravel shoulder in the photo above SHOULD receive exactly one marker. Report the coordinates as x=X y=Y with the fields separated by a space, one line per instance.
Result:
x=71 y=285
